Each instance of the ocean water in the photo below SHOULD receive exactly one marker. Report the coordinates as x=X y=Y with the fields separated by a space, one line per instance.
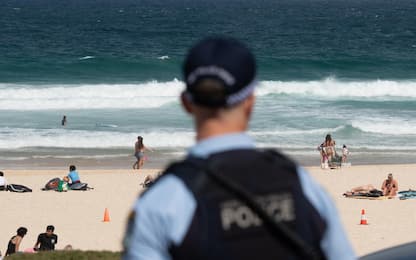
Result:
x=347 y=68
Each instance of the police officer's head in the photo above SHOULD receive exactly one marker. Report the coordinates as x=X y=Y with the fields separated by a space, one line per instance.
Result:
x=220 y=76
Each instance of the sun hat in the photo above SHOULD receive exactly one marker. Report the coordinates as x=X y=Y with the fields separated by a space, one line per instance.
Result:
x=219 y=72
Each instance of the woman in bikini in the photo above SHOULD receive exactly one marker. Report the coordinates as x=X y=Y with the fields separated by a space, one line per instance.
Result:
x=329 y=146
x=139 y=149
x=390 y=186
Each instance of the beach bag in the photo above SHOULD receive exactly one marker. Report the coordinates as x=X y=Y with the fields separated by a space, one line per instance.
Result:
x=18 y=188
x=52 y=184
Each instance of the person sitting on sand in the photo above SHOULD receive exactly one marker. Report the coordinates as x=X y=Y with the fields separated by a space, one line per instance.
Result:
x=14 y=242
x=149 y=180
x=46 y=241
x=3 y=182
x=390 y=186
x=73 y=175
x=68 y=247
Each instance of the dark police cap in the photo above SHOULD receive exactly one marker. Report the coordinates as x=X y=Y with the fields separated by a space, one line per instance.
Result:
x=219 y=72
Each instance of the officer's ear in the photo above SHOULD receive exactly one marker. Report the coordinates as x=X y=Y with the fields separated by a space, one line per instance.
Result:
x=186 y=104
x=249 y=105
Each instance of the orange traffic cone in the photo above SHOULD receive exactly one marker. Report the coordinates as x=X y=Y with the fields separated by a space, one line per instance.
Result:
x=363 y=218
x=106 y=216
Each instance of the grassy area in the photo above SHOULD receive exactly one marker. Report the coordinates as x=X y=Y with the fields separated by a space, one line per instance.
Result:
x=68 y=255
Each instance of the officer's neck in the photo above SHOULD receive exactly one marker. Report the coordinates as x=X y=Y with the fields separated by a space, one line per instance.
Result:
x=214 y=127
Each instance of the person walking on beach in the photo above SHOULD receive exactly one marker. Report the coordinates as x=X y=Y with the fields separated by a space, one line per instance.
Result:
x=228 y=200
x=139 y=149
x=14 y=242
x=46 y=241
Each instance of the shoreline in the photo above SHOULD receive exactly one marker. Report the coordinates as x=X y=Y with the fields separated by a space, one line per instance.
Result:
x=163 y=159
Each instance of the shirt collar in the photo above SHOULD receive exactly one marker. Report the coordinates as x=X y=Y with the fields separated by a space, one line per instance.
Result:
x=221 y=143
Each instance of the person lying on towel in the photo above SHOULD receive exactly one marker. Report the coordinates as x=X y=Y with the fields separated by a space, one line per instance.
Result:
x=363 y=191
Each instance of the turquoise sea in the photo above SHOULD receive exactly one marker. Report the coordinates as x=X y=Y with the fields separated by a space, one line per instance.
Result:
x=113 y=67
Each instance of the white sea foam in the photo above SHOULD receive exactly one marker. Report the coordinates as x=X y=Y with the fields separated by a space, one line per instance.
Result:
x=387 y=126
x=86 y=57
x=144 y=95
x=164 y=57
x=332 y=88
x=11 y=138
x=15 y=138
x=155 y=94
x=106 y=125
x=289 y=132
x=102 y=156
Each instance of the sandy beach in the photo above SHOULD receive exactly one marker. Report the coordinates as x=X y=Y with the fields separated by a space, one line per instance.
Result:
x=78 y=215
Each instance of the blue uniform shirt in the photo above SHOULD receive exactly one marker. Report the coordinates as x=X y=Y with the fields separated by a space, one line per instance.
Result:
x=73 y=175
x=165 y=213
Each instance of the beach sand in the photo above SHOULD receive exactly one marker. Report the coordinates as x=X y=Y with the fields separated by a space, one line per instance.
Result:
x=78 y=215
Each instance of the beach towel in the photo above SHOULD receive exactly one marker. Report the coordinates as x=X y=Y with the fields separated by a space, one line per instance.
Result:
x=18 y=188
x=368 y=198
x=80 y=186
x=407 y=194
x=373 y=194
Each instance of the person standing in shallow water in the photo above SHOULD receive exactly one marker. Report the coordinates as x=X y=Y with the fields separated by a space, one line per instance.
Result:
x=139 y=149
x=63 y=122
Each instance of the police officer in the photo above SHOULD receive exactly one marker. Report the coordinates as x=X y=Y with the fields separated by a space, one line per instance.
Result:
x=228 y=200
